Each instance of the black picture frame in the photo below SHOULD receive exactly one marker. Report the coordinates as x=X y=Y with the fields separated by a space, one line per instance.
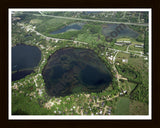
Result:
x=5 y=5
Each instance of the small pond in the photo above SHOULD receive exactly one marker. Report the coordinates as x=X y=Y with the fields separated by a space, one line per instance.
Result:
x=124 y=32
x=74 y=26
x=75 y=70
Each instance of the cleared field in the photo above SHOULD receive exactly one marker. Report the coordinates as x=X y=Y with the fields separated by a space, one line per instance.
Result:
x=138 y=108
x=123 y=48
x=121 y=56
x=89 y=38
x=127 y=86
x=139 y=61
x=131 y=85
x=122 y=106
x=125 y=106
x=135 y=61
x=35 y=21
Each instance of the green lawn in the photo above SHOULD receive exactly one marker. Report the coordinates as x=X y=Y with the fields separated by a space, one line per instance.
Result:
x=132 y=85
x=133 y=48
x=122 y=106
x=138 y=108
x=139 y=61
x=123 y=55
x=128 y=86
x=50 y=24
x=123 y=48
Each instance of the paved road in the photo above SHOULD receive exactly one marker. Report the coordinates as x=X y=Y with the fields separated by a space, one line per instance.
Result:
x=48 y=38
x=114 y=58
x=137 y=24
x=57 y=39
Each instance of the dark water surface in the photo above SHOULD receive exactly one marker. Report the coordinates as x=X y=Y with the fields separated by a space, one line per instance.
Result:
x=124 y=32
x=20 y=74
x=77 y=26
x=75 y=70
x=24 y=59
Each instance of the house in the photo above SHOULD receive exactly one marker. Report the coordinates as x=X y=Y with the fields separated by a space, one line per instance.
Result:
x=145 y=58
x=40 y=92
x=125 y=91
x=127 y=41
x=121 y=94
x=110 y=58
x=138 y=46
x=119 y=44
x=124 y=42
x=125 y=60
x=100 y=112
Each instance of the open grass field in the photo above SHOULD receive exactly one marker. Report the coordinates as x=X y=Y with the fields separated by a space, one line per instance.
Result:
x=50 y=24
x=123 y=48
x=127 y=86
x=121 y=56
x=90 y=38
x=122 y=106
x=134 y=61
x=125 y=106
x=35 y=21
x=138 y=108
x=139 y=61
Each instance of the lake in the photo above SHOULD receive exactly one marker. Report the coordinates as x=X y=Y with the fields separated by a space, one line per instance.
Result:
x=74 y=26
x=24 y=59
x=75 y=70
x=125 y=32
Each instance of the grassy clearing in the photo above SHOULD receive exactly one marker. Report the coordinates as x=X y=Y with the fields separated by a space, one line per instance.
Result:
x=35 y=21
x=89 y=38
x=123 y=48
x=135 y=61
x=51 y=24
x=121 y=56
x=131 y=85
x=127 y=86
x=133 y=48
x=138 y=108
x=139 y=61
x=125 y=106
x=122 y=106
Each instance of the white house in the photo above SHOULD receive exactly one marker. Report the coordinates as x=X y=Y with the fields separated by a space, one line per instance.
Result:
x=125 y=60
x=139 y=46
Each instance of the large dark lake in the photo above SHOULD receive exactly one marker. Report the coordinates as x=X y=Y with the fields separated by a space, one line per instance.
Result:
x=24 y=59
x=74 y=26
x=75 y=70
